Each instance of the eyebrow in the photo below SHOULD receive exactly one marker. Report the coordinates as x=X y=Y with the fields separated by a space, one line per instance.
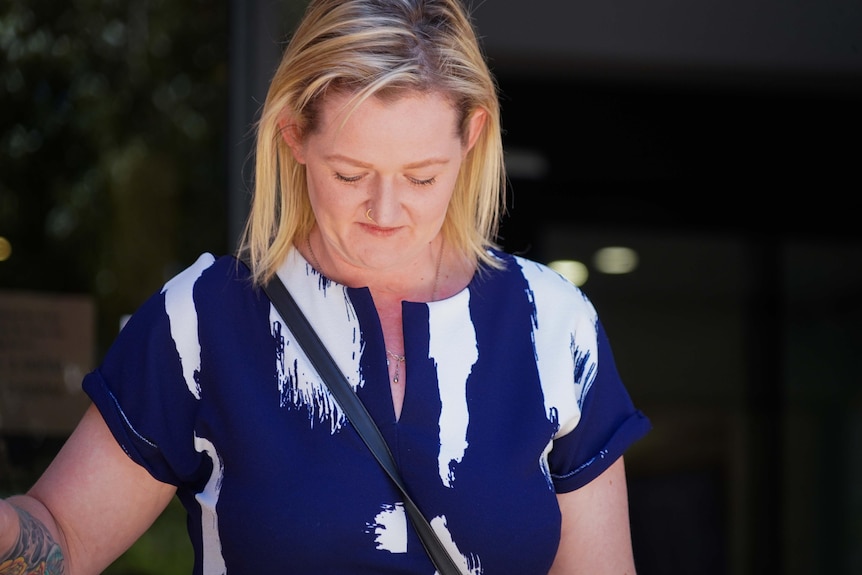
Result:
x=420 y=164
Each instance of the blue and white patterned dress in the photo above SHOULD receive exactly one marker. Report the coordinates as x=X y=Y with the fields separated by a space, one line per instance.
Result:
x=512 y=396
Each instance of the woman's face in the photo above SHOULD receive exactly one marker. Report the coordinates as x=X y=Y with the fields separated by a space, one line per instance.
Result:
x=400 y=158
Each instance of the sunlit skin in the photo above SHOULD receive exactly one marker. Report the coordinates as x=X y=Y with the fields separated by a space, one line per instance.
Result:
x=398 y=158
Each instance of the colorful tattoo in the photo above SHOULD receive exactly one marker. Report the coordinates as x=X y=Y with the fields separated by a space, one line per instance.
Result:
x=35 y=553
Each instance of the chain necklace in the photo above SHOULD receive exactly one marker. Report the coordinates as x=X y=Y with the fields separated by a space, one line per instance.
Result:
x=314 y=261
x=399 y=359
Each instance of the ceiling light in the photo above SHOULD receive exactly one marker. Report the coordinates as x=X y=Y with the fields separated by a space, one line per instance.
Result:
x=615 y=260
x=572 y=270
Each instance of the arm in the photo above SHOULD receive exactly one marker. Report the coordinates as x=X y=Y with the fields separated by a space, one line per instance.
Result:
x=90 y=505
x=596 y=536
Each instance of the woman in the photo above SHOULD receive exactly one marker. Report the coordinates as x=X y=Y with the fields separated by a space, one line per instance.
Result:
x=379 y=185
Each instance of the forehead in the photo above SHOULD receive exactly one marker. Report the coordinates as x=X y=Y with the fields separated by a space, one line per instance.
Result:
x=344 y=112
x=390 y=132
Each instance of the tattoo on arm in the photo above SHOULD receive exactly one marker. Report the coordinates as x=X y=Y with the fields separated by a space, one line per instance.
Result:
x=35 y=552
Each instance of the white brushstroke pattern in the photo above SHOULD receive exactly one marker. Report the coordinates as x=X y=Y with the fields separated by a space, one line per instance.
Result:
x=468 y=565
x=390 y=528
x=556 y=356
x=183 y=319
x=208 y=499
x=328 y=308
x=454 y=350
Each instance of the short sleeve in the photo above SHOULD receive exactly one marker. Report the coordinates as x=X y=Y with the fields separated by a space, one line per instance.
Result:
x=609 y=424
x=143 y=392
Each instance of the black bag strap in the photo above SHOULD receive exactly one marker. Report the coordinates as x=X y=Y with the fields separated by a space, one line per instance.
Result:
x=358 y=416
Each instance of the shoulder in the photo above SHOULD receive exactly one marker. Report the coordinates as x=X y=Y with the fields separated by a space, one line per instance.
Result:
x=209 y=272
x=209 y=266
x=209 y=282
x=544 y=285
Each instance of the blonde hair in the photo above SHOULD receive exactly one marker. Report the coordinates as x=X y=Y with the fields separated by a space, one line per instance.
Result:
x=375 y=48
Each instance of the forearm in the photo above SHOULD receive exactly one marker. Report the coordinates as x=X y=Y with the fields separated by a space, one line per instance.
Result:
x=27 y=545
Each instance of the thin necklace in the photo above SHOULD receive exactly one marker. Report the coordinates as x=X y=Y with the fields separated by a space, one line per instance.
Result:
x=437 y=273
x=314 y=262
x=399 y=359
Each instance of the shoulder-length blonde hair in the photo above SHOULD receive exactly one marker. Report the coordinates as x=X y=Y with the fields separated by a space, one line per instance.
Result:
x=375 y=48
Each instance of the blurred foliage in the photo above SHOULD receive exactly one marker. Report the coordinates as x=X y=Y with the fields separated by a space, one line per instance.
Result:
x=163 y=550
x=113 y=120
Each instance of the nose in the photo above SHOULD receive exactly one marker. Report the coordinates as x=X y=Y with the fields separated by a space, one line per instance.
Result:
x=383 y=202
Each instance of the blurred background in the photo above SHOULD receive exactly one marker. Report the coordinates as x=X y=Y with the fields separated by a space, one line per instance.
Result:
x=694 y=166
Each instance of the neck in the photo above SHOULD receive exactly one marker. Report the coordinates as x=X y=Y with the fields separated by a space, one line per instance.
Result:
x=398 y=284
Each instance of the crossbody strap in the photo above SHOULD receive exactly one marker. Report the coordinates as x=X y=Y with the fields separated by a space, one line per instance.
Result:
x=356 y=413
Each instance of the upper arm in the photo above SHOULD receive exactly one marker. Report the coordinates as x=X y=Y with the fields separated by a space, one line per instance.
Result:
x=596 y=535
x=100 y=499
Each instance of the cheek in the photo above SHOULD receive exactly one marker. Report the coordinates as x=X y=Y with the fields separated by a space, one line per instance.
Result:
x=443 y=200
x=432 y=212
x=319 y=185
x=318 y=194
x=327 y=201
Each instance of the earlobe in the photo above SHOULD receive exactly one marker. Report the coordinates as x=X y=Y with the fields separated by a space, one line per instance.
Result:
x=291 y=135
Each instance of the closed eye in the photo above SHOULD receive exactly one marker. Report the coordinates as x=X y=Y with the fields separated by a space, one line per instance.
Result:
x=415 y=181
x=421 y=182
x=347 y=179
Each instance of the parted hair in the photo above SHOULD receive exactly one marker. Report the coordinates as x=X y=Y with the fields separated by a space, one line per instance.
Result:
x=375 y=48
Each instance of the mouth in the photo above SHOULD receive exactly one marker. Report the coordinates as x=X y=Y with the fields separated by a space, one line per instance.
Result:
x=379 y=230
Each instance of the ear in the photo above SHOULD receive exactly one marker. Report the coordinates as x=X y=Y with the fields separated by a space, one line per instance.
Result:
x=292 y=137
x=474 y=130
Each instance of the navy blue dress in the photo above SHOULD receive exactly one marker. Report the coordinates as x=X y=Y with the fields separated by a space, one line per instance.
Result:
x=512 y=397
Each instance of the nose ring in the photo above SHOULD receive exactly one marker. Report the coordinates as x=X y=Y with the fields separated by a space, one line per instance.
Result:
x=368 y=216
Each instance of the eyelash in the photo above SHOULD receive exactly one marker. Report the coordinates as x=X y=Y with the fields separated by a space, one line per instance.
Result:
x=354 y=179
x=347 y=179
